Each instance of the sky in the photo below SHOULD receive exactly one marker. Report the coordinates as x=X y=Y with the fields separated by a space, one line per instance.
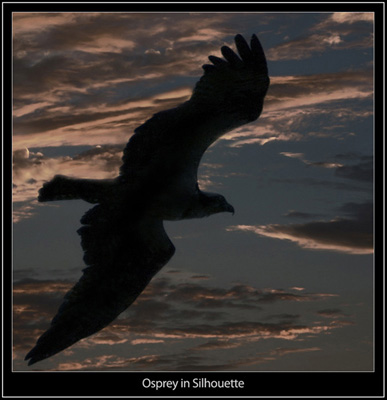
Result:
x=285 y=284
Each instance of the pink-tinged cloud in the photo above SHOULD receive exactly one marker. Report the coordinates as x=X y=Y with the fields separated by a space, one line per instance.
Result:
x=164 y=323
x=284 y=351
x=328 y=102
x=31 y=170
x=336 y=235
x=351 y=233
x=146 y=341
x=351 y=17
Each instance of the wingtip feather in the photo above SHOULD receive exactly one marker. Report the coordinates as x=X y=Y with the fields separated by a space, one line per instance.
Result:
x=33 y=358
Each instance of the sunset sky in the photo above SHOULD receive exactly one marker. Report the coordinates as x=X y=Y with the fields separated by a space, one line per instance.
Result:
x=285 y=284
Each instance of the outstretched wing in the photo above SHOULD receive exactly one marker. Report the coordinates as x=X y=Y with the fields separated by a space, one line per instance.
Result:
x=235 y=85
x=123 y=252
x=228 y=95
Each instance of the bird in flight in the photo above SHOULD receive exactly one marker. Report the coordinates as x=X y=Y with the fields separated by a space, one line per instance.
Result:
x=123 y=236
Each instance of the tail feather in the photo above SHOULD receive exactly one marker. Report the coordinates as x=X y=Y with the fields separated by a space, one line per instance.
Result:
x=56 y=339
x=66 y=188
x=96 y=300
x=59 y=188
x=62 y=335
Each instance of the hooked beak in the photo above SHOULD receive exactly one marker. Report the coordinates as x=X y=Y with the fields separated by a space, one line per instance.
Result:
x=230 y=209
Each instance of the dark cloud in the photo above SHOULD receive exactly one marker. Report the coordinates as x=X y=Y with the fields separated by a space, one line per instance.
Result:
x=287 y=350
x=34 y=304
x=200 y=277
x=363 y=172
x=316 y=85
x=92 y=48
x=351 y=234
x=300 y=214
x=43 y=75
x=217 y=344
x=284 y=316
x=40 y=123
x=77 y=74
x=331 y=313
x=161 y=316
x=239 y=296
x=353 y=156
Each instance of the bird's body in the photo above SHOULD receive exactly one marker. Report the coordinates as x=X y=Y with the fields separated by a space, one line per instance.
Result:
x=122 y=236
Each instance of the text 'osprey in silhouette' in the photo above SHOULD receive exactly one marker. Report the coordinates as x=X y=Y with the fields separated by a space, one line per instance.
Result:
x=123 y=237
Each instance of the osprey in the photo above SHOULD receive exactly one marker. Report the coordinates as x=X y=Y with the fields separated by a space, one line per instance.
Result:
x=122 y=236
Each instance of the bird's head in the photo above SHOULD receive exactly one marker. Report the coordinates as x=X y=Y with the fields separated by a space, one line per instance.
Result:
x=215 y=203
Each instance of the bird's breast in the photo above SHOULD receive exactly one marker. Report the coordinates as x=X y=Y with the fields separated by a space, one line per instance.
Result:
x=172 y=202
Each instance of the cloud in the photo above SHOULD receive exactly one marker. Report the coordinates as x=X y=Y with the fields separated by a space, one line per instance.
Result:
x=337 y=31
x=307 y=46
x=299 y=108
x=72 y=89
x=352 y=234
x=200 y=277
x=284 y=351
x=92 y=124
x=146 y=341
x=168 y=327
x=88 y=79
x=331 y=313
x=323 y=164
x=302 y=47
x=95 y=86
x=32 y=169
x=103 y=47
x=351 y=17
x=305 y=90
x=363 y=171
x=300 y=214
x=351 y=167
x=216 y=345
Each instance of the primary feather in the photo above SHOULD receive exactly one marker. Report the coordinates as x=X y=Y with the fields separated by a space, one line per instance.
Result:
x=123 y=237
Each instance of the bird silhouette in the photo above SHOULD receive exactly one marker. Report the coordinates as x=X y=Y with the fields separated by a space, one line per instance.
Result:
x=123 y=236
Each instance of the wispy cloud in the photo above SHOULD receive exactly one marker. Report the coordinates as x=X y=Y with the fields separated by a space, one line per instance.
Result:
x=58 y=126
x=323 y=164
x=300 y=107
x=175 y=324
x=338 y=31
x=350 y=17
x=76 y=91
x=355 y=168
x=103 y=77
x=363 y=171
x=95 y=86
x=352 y=234
x=32 y=169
